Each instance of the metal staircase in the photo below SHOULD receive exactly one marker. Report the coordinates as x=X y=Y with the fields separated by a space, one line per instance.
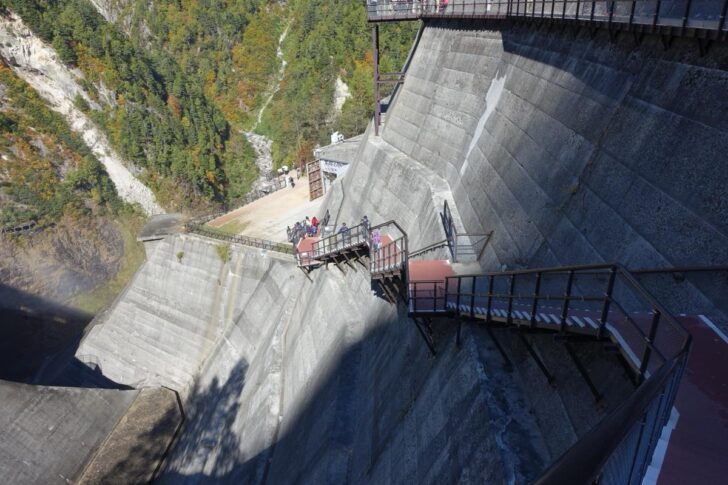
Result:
x=599 y=303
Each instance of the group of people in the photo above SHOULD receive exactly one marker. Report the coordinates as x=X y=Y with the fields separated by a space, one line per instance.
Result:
x=366 y=232
x=306 y=228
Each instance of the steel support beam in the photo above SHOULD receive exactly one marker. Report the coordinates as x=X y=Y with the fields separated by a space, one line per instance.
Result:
x=377 y=100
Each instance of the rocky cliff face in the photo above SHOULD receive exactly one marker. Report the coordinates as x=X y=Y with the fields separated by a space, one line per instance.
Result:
x=37 y=64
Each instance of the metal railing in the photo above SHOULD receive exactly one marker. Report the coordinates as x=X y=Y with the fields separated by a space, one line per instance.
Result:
x=393 y=253
x=618 y=450
x=273 y=185
x=305 y=258
x=342 y=240
x=463 y=245
x=429 y=248
x=238 y=239
x=692 y=14
x=389 y=257
x=602 y=301
x=426 y=297
x=23 y=228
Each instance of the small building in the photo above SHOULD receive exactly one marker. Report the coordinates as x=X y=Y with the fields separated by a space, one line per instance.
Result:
x=331 y=162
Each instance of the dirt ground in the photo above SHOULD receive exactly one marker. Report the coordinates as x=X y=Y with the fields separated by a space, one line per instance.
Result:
x=268 y=217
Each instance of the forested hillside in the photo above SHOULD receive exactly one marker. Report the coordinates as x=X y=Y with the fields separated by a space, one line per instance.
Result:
x=47 y=171
x=82 y=245
x=229 y=48
x=174 y=84
x=329 y=39
x=155 y=114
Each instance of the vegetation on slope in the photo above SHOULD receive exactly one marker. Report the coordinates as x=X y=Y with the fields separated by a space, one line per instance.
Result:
x=85 y=238
x=156 y=114
x=328 y=39
x=228 y=47
x=47 y=171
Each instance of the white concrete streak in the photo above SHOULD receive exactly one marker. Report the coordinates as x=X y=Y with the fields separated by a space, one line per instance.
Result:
x=491 y=100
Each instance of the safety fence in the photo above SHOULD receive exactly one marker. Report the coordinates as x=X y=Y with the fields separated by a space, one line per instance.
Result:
x=269 y=187
x=23 y=228
x=389 y=249
x=238 y=239
x=343 y=240
x=600 y=301
x=685 y=14
x=463 y=247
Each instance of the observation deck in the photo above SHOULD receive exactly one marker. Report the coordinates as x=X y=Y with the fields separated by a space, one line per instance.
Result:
x=675 y=17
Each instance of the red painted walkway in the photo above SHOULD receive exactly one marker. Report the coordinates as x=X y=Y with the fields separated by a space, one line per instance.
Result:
x=697 y=449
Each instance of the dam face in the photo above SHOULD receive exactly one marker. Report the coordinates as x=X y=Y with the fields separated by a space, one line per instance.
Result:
x=572 y=148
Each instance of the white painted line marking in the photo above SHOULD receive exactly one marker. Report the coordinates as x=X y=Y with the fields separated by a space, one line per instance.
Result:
x=578 y=321
x=556 y=319
x=712 y=325
x=544 y=318
x=519 y=314
x=658 y=457
x=623 y=343
x=591 y=322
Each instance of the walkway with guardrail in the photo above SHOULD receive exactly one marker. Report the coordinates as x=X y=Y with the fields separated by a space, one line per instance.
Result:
x=676 y=17
x=603 y=302
x=253 y=242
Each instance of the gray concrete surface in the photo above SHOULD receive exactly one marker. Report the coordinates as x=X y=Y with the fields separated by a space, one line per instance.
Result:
x=572 y=149
x=576 y=149
x=47 y=434
x=135 y=448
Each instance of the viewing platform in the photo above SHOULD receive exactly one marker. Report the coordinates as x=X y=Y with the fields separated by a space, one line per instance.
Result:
x=688 y=16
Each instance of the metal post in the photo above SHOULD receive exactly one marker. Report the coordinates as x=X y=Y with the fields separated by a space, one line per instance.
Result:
x=490 y=297
x=377 y=103
x=686 y=14
x=611 y=13
x=721 y=21
x=648 y=341
x=534 y=307
x=631 y=12
x=509 y=319
x=472 y=299
x=567 y=298
x=657 y=13
x=607 y=301
x=460 y=280
x=447 y=290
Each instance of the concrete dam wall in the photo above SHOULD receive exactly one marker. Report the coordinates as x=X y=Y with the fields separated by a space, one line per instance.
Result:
x=574 y=149
x=571 y=149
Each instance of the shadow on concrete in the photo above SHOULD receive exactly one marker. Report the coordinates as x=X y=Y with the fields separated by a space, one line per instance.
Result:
x=33 y=329
x=349 y=425
x=38 y=342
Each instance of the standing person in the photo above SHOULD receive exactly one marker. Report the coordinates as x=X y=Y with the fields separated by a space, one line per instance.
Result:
x=288 y=233
x=315 y=224
x=365 y=223
x=344 y=231
x=376 y=239
x=291 y=182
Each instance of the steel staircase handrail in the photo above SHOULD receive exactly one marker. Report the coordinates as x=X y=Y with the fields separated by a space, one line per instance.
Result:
x=584 y=461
